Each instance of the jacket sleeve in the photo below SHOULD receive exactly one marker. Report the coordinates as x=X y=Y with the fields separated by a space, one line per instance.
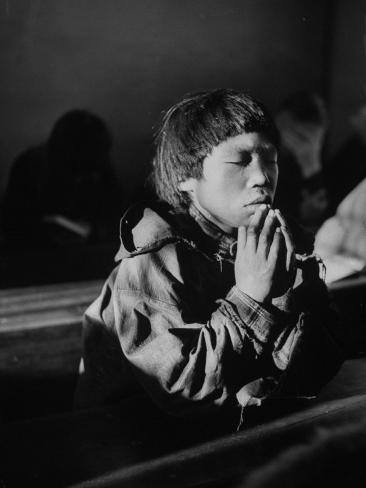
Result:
x=186 y=359
x=311 y=353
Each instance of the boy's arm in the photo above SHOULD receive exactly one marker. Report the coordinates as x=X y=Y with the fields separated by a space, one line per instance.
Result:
x=188 y=365
x=186 y=362
x=312 y=350
x=187 y=358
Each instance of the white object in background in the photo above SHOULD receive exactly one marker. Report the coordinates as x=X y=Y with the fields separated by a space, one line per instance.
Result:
x=340 y=266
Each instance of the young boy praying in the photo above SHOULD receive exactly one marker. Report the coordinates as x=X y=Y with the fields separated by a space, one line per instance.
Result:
x=216 y=301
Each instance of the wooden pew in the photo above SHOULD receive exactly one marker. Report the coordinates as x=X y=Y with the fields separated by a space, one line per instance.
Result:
x=40 y=327
x=349 y=295
x=15 y=301
x=105 y=447
x=40 y=346
x=43 y=344
x=228 y=461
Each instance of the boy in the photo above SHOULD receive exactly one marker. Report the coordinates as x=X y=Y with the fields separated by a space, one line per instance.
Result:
x=215 y=303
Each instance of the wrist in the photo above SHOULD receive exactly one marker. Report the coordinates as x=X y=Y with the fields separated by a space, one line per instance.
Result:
x=255 y=294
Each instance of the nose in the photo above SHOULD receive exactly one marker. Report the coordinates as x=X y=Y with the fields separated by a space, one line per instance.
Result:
x=258 y=175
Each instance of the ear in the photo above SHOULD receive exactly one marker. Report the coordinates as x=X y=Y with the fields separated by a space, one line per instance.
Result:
x=188 y=185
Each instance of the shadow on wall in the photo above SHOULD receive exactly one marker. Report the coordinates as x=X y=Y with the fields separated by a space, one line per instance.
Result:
x=130 y=60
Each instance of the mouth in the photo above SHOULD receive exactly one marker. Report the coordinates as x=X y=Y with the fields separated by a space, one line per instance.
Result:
x=259 y=200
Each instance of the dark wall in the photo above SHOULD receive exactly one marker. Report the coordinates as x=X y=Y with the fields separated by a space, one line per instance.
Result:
x=347 y=80
x=127 y=60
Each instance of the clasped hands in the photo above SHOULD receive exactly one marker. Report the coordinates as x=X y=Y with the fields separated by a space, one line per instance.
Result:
x=265 y=259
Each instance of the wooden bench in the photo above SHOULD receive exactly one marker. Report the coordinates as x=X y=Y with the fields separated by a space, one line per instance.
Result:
x=39 y=353
x=40 y=327
x=106 y=447
x=16 y=301
x=350 y=297
x=40 y=346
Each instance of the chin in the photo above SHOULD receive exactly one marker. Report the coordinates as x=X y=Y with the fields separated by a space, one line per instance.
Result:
x=244 y=221
x=245 y=215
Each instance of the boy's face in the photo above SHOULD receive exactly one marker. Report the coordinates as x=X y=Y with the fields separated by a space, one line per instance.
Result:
x=238 y=175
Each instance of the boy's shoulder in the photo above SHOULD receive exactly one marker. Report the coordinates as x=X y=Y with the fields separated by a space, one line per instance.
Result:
x=148 y=226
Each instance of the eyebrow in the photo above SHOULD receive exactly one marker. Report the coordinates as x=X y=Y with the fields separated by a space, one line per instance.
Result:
x=258 y=148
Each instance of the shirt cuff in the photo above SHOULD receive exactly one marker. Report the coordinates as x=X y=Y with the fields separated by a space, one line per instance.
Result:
x=261 y=322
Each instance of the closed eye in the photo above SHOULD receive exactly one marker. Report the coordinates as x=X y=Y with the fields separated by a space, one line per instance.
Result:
x=244 y=160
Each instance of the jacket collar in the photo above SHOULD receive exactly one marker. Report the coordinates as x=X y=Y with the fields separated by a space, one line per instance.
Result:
x=147 y=227
x=222 y=243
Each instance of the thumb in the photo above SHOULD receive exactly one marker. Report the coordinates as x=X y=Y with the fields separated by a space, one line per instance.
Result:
x=242 y=237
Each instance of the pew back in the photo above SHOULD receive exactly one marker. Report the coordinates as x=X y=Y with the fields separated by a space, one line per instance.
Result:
x=119 y=446
x=40 y=328
x=40 y=346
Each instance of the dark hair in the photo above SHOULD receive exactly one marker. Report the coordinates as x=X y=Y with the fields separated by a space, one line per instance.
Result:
x=79 y=139
x=193 y=127
x=305 y=107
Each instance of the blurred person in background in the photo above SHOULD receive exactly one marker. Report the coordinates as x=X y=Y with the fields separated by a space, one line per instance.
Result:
x=348 y=166
x=302 y=123
x=61 y=197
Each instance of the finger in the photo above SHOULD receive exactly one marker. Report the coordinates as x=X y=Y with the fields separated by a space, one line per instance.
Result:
x=288 y=240
x=290 y=255
x=255 y=226
x=266 y=235
x=284 y=227
x=242 y=238
x=275 y=246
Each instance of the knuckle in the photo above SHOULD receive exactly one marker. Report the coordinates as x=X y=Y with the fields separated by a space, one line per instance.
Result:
x=252 y=229
x=264 y=240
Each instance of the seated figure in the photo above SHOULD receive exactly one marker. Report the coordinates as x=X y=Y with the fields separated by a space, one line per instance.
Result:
x=301 y=120
x=347 y=168
x=60 y=193
x=216 y=303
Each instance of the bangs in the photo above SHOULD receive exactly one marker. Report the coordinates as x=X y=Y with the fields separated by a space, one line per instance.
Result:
x=193 y=127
